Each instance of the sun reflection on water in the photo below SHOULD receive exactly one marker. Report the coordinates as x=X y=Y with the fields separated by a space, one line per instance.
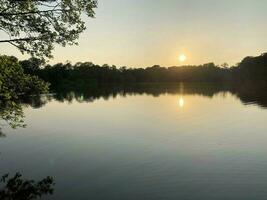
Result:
x=181 y=102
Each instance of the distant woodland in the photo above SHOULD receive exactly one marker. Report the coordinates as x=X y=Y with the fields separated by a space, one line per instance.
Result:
x=32 y=76
x=87 y=74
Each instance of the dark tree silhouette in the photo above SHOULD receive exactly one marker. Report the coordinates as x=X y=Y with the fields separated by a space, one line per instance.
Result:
x=31 y=65
x=87 y=74
x=252 y=69
x=17 y=188
x=14 y=82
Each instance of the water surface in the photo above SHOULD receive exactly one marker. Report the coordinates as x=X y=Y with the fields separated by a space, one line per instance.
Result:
x=179 y=142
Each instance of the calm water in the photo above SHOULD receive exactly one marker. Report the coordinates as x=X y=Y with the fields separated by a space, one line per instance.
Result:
x=190 y=143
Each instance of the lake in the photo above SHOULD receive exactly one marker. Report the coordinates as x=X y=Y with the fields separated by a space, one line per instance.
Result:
x=184 y=141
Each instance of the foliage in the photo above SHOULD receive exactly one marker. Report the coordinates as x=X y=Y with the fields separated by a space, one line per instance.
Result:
x=34 y=26
x=252 y=69
x=31 y=65
x=12 y=113
x=87 y=74
x=14 y=82
x=17 y=188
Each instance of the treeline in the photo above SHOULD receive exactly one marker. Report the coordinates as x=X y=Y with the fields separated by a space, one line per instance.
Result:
x=253 y=69
x=88 y=74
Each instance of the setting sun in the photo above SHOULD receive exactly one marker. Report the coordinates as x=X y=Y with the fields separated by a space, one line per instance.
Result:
x=157 y=99
x=182 y=58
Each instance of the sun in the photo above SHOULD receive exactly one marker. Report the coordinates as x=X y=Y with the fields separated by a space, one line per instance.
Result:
x=182 y=58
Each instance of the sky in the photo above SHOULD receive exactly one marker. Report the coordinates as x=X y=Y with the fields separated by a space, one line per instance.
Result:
x=142 y=33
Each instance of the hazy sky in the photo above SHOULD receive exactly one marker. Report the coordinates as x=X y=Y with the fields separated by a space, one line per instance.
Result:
x=140 y=33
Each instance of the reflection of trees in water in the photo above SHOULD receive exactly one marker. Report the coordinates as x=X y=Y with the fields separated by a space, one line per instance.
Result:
x=252 y=94
x=247 y=93
x=11 y=112
x=155 y=90
x=17 y=188
x=36 y=101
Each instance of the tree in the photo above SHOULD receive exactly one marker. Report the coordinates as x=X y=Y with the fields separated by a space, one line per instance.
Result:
x=14 y=82
x=31 y=65
x=225 y=65
x=35 y=26
x=17 y=188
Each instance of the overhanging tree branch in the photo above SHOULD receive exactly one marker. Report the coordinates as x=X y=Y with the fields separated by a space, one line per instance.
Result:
x=21 y=48
x=35 y=26
x=20 y=39
x=33 y=12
